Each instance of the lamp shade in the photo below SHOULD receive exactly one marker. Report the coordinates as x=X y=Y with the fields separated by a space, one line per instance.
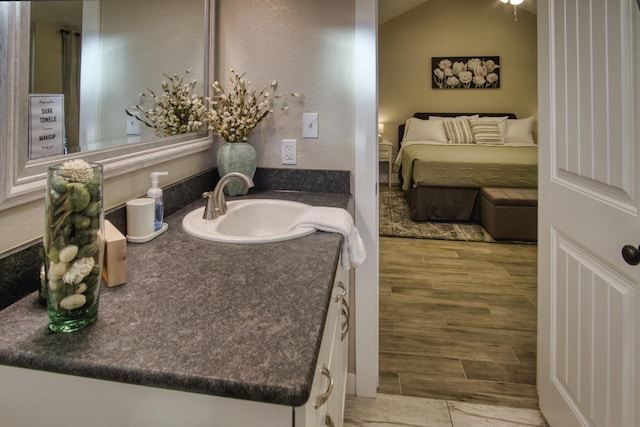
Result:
x=381 y=128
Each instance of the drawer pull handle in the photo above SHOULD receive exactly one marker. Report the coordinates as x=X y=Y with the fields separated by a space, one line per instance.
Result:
x=343 y=293
x=345 y=322
x=345 y=308
x=321 y=399
x=328 y=421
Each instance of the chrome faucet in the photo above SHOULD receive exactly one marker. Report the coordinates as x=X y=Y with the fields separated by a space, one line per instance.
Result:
x=216 y=202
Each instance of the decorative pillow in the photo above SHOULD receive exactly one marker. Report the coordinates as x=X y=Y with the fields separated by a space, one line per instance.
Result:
x=458 y=131
x=424 y=130
x=502 y=124
x=520 y=131
x=486 y=132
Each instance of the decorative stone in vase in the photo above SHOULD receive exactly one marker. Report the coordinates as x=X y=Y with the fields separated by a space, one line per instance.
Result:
x=73 y=244
x=237 y=157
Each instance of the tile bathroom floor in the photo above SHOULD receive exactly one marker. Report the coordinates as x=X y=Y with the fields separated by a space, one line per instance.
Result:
x=392 y=410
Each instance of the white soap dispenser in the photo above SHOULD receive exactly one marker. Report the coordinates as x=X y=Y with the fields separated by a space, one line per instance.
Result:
x=155 y=192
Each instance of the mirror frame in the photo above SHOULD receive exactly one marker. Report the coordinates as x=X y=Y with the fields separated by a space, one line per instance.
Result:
x=23 y=180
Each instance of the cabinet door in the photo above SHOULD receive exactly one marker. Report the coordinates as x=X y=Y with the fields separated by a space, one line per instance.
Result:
x=335 y=410
x=327 y=383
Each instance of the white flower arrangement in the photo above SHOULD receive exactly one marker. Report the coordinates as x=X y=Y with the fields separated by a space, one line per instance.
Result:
x=233 y=115
x=177 y=110
x=466 y=73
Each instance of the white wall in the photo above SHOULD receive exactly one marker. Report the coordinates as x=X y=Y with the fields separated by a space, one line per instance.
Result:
x=307 y=46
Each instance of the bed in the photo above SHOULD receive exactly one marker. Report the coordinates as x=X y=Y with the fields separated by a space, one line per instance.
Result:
x=444 y=160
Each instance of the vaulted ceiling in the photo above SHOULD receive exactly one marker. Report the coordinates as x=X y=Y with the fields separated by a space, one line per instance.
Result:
x=389 y=9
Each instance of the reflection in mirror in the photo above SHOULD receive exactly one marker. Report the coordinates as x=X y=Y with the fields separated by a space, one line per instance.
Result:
x=101 y=55
x=125 y=48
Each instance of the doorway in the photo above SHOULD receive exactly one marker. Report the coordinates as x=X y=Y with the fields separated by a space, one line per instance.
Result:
x=453 y=289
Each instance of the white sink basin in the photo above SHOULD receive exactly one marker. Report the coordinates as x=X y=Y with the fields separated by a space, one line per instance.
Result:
x=248 y=221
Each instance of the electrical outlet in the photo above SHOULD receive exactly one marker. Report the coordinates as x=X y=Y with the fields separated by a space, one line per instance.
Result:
x=133 y=126
x=288 y=151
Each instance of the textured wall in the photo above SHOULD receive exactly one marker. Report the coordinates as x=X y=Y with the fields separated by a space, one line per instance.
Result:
x=307 y=46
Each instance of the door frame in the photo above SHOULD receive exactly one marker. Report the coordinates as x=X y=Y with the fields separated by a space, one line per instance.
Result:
x=366 y=195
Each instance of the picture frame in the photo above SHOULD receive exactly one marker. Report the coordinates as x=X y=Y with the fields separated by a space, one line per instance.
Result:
x=465 y=72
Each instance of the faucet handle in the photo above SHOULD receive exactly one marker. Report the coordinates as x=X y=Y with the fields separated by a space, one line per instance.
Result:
x=208 y=213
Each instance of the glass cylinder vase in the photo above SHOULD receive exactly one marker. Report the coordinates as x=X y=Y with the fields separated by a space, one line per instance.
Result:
x=73 y=244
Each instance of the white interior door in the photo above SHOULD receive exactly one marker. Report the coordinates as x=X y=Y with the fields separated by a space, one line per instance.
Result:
x=589 y=306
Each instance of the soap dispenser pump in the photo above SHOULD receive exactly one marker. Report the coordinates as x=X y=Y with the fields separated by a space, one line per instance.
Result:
x=155 y=192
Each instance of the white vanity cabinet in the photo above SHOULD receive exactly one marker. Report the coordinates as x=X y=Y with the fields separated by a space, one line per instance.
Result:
x=29 y=397
x=326 y=404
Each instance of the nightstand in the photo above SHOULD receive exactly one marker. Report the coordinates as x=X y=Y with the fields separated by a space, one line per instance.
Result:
x=385 y=154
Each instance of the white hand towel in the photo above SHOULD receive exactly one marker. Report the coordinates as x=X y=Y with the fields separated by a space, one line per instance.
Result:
x=335 y=220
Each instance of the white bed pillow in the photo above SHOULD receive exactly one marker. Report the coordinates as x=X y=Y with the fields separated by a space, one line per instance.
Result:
x=486 y=132
x=424 y=130
x=520 y=131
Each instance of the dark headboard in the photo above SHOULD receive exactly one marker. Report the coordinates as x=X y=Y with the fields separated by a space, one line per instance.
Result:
x=425 y=116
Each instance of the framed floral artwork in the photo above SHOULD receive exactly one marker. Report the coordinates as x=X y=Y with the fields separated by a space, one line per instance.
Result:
x=465 y=72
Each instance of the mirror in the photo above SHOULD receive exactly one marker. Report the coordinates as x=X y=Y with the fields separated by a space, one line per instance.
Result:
x=102 y=54
x=97 y=57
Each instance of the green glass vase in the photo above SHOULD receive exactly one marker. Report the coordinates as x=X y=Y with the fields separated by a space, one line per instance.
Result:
x=73 y=244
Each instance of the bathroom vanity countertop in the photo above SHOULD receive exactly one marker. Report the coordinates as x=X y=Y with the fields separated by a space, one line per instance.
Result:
x=232 y=320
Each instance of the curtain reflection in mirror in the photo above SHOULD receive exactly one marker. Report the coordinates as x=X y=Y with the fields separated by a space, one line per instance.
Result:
x=71 y=51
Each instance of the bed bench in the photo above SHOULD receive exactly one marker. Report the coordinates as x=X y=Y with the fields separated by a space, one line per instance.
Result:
x=510 y=213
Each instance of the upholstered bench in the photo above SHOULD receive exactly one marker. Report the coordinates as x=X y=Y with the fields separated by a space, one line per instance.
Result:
x=510 y=213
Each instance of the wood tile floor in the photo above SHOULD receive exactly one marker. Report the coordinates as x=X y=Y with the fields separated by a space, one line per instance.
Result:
x=458 y=321
x=406 y=411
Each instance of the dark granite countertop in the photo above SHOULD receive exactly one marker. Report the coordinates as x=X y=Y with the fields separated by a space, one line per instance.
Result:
x=241 y=321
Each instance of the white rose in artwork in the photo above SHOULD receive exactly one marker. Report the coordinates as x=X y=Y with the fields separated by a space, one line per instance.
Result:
x=491 y=65
x=480 y=70
x=444 y=64
x=473 y=63
x=448 y=72
x=492 y=78
x=439 y=73
x=479 y=80
x=459 y=67
x=453 y=81
x=466 y=77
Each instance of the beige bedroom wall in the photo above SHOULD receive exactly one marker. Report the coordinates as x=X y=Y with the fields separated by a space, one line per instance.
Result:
x=455 y=28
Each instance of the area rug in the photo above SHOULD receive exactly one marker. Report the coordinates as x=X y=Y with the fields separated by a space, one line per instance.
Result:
x=395 y=222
